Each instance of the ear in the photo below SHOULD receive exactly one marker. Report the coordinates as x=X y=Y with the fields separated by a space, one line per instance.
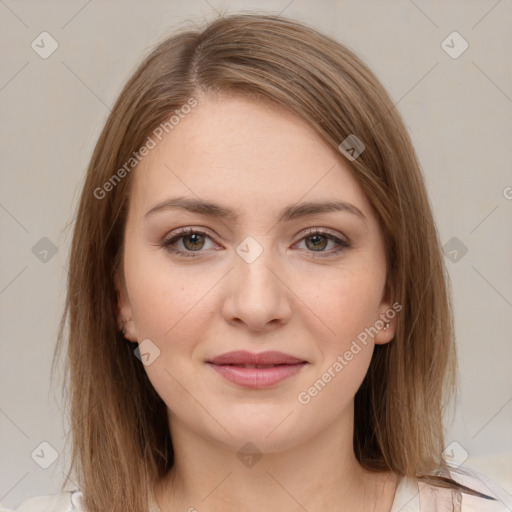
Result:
x=124 y=308
x=387 y=319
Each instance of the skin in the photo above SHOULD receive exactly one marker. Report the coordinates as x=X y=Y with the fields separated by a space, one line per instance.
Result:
x=257 y=159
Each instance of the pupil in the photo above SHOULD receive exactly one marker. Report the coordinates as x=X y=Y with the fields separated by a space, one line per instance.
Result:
x=196 y=239
x=318 y=239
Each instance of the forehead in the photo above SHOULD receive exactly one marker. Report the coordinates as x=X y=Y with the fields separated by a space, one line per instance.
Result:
x=246 y=154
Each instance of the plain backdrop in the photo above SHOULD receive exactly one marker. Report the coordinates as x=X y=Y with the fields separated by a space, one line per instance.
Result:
x=458 y=110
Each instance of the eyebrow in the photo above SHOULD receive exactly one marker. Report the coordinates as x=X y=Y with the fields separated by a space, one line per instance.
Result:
x=291 y=212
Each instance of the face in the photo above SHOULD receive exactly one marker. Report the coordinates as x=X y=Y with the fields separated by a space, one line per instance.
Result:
x=267 y=277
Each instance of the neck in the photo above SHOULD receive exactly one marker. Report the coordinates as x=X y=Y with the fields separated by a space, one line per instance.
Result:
x=320 y=474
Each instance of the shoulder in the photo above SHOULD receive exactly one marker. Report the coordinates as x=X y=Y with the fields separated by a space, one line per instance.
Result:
x=67 y=501
x=478 y=493
x=501 y=500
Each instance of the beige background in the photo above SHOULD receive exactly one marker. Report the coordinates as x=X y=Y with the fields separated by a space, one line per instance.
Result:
x=458 y=112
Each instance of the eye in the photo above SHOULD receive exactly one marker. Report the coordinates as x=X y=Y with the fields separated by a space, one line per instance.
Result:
x=317 y=240
x=193 y=240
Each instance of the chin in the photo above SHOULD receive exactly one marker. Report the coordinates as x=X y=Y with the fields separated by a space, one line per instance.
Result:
x=258 y=441
x=267 y=428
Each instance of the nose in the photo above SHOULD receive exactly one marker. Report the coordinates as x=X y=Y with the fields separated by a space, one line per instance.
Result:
x=256 y=293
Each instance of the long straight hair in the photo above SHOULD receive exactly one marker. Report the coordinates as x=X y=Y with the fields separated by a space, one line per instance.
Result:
x=120 y=438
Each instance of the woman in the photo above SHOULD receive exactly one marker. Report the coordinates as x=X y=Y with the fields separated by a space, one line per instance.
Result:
x=259 y=316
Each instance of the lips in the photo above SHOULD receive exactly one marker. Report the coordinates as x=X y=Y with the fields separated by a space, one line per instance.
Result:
x=242 y=357
x=252 y=370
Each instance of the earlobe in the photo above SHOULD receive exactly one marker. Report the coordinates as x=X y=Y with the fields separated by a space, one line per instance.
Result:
x=387 y=329
x=123 y=309
x=387 y=322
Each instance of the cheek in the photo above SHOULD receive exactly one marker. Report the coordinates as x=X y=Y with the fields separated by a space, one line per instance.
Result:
x=165 y=298
x=347 y=306
x=169 y=307
x=346 y=302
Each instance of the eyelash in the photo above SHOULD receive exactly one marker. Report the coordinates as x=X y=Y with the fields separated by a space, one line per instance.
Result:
x=182 y=233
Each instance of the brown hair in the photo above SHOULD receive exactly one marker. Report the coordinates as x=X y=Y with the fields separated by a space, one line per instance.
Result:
x=121 y=442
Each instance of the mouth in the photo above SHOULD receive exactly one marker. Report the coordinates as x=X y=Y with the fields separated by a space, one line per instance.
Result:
x=254 y=365
x=256 y=371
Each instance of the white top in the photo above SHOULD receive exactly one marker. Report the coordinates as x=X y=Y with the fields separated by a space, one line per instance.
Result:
x=411 y=496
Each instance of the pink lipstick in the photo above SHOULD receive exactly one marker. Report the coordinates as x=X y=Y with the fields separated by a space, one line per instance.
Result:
x=256 y=371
